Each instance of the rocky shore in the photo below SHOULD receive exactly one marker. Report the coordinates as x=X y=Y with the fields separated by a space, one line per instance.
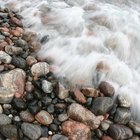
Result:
x=34 y=105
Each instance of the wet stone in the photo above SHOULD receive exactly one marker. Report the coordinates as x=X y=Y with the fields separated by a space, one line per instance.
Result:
x=47 y=86
x=98 y=133
x=101 y=105
x=122 y=116
x=46 y=100
x=104 y=125
x=135 y=127
x=53 y=127
x=62 y=117
x=19 y=104
x=5 y=58
x=4 y=120
x=59 y=137
x=44 y=131
x=50 y=109
x=26 y=116
x=34 y=109
x=22 y=43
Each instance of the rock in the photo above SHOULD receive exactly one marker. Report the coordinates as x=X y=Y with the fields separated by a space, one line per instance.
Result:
x=44 y=131
x=30 y=60
x=104 y=125
x=106 y=88
x=106 y=138
x=62 y=117
x=90 y=92
x=79 y=113
x=26 y=116
x=22 y=44
x=32 y=131
x=124 y=101
x=6 y=95
x=59 y=137
x=76 y=130
x=122 y=116
x=46 y=100
x=44 y=138
x=79 y=97
x=1 y=109
x=134 y=138
x=1 y=68
x=43 y=117
x=9 y=131
x=15 y=33
x=101 y=105
x=62 y=93
x=47 y=86
x=19 y=62
x=51 y=109
x=53 y=127
x=29 y=86
x=40 y=69
x=34 y=108
x=4 y=119
x=12 y=50
x=135 y=127
x=19 y=104
x=5 y=58
x=16 y=21
x=98 y=133
x=15 y=80
x=120 y=132
x=2 y=37
x=2 y=45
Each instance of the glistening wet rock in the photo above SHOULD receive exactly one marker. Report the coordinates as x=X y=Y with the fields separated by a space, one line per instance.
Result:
x=120 y=132
x=101 y=105
x=79 y=113
x=32 y=131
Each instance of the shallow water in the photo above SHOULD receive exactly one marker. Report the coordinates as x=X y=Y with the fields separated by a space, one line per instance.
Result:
x=89 y=41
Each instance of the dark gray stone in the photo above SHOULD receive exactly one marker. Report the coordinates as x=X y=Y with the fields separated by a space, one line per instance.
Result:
x=59 y=137
x=4 y=119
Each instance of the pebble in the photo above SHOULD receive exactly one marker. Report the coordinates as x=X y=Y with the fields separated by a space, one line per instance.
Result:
x=46 y=100
x=98 y=133
x=62 y=117
x=44 y=131
x=43 y=117
x=16 y=119
x=30 y=60
x=19 y=104
x=4 y=119
x=79 y=97
x=47 y=86
x=101 y=105
x=124 y=101
x=34 y=109
x=40 y=69
x=6 y=95
x=1 y=109
x=135 y=127
x=120 y=132
x=26 y=116
x=79 y=113
x=9 y=131
x=134 y=138
x=106 y=88
x=1 y=68
x=104 y=125
x=32 y=131
x=16 y=84
x=90 y=92
x=59 y=137
x=76 y=130
x=2 y=37
x=62 y=93
x=16 y=21
x=106 y=138
x=122 y=116
x=19 y=62
x=12 y=50
x=22 y=44
x=53 y=127
x=5 y=58
x=50 y=109
x=29 y=86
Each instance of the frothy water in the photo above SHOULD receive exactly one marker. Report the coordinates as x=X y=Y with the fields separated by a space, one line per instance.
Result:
x=89 y=41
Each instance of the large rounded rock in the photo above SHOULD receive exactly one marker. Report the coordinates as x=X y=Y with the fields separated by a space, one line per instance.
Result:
x=6 y=95
x=4 y=57
x=44 y=117
x=122 y=116
x=40 y=69
x=15 y=80
x=76 y=130
x=106 y=88
x=32 y=131
x=79 y=113
x=101 y=105
x=120 y=132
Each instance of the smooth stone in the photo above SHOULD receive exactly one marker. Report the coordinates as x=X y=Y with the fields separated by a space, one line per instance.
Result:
x=101 y=105
x=40 y=69
x=59 y=137
x=76 y=130
x=134 y=138
x=106 y=138
x=79 y=113
x=90 y=92
x=98 y=133
x=32 y=131
x=47 y=86
x=50 y=109
x=104 y=125
x=16 y=119
x=4 y=119
x=29 y=96
x=30 y=60
x=46 y=101
x=22 y=43
x=16 y=21
x=44 y=131
x=53 y=127
x=124 y=101
x=34 y=109
x=62 y=93
x=19 y=62
x=29 y=86
x=122 y=116
x=19 y=104
x=62 y=117
x=12 y=50
x=6 y=95
x=106 y=88
x=2 y=37
x=1 y=109
x=15 y=80
x=43 y=117
x=9 y=131
x=5 y=58
x=26 y=116
x=134 y=126
x=120 y=132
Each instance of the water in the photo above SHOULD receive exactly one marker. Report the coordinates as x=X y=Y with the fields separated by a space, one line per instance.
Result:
x=89 y=41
